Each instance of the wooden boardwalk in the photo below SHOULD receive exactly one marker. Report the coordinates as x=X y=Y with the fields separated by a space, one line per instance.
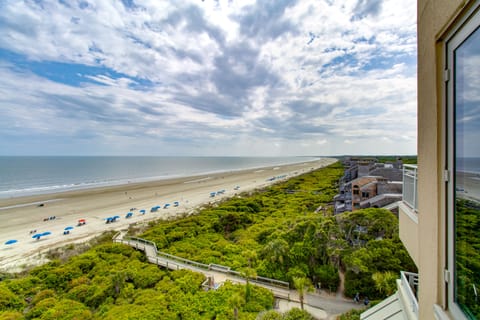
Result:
x=322 y=306
x=220 y=274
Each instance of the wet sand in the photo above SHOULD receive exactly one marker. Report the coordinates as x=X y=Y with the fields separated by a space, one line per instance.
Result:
x=19 y=216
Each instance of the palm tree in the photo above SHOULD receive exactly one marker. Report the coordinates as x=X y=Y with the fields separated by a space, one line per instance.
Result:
x=236 y=301
x=251 y=256
x=385 y=282
x=277 y=250
x=248 y=273
x=302 y=285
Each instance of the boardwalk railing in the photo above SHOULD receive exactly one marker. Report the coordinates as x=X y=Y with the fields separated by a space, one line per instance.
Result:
x=174 y=262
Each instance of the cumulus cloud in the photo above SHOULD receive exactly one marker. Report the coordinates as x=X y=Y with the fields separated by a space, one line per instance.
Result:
x=209 y=77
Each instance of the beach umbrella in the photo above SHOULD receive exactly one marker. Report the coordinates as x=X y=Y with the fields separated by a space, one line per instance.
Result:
x=68 y=228
x=11 y=241
x=142 y=211
x=46 y=233
x=116 y=217
x=37 y=236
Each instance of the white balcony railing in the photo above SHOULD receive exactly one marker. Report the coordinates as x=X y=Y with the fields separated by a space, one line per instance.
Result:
x=410 y=186
x=409 y=283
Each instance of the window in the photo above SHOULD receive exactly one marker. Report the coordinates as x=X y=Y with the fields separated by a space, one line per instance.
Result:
x=355 y=189
x=463 y=117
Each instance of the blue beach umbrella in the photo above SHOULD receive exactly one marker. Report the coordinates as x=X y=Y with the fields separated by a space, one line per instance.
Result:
x=68 y=228
x=46 y=233
x=37 y=236
x=142 y=211
x=11 y=241
x=116 y=217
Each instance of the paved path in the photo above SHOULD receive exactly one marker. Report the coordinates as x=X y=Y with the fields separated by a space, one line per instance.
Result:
x=319 y=305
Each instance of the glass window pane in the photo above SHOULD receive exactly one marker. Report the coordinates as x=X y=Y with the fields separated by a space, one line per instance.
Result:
x=467 y=176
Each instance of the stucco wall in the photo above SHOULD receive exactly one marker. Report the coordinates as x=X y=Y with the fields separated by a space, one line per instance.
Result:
x=434 y=18
x=408 y=225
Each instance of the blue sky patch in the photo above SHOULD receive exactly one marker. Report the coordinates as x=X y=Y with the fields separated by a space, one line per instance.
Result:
x=70 y=73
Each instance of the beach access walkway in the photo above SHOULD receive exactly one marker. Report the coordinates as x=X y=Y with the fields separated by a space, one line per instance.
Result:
x=319 y=305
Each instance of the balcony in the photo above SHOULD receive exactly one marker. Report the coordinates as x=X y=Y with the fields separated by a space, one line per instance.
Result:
x=409 y=289
x=401 y=305
x=408 y=212
x=410 y=186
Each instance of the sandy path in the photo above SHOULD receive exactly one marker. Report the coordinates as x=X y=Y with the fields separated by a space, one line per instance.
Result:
x=19 y=216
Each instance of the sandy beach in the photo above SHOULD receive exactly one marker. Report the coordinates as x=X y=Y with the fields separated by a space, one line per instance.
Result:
x=20 y=216
x=468 y=185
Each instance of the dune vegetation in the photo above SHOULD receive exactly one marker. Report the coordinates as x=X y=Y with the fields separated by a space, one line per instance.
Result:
x=286 y=231
x=112 y=281
x=467 y=224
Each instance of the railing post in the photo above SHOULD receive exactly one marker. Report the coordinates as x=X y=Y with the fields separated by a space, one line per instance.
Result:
x=415 y=189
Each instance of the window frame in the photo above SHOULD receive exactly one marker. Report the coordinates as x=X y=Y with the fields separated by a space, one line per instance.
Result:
x=462 y=30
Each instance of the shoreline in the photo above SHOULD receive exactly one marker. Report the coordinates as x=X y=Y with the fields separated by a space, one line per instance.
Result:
x=468 y=185
x=21 y=215
x=46 y=190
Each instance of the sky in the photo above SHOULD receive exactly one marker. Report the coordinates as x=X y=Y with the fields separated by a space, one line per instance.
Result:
x=207 y=78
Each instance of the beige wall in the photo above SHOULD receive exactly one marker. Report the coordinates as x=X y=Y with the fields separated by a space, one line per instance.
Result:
x=434 y=19
x=408 y=231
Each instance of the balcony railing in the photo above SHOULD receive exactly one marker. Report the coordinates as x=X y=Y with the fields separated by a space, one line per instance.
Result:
x=410 y=186
x=409 y=283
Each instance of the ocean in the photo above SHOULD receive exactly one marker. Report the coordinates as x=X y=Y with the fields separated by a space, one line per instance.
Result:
x=21 y=176
x=471 y=165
